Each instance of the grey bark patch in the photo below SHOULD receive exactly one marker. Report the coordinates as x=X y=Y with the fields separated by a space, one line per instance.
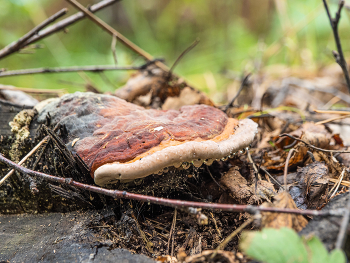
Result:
x=56 y=237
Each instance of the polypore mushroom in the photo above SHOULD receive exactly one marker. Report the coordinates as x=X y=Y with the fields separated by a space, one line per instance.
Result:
x=122 y=141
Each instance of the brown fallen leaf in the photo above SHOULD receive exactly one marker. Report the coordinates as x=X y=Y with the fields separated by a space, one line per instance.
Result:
x=278 y=220
x=315 y=135
x=205 y=256
x=237 y=185
x=335 y=168
x=187 y=96
x=314 y=183
x=167 y=259
x=244 y=193
x=152 y=87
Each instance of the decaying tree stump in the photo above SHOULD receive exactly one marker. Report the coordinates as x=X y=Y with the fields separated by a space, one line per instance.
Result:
x=20 y=132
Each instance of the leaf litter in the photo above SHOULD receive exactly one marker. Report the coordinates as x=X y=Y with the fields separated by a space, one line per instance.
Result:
x=283 y=105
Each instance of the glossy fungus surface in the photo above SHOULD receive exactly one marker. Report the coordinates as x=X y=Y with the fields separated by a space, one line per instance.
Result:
x=122 y=141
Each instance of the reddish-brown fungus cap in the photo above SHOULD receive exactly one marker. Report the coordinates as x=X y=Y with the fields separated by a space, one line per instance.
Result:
x=121 y=141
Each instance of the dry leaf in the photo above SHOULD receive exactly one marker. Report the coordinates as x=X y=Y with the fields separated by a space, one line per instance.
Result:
x=187 y=96
x=242 y=192
x=237 y=185
x=152 y=87
x=205 y=256
x=278 y=220
x=314 y=182
x=315 y=135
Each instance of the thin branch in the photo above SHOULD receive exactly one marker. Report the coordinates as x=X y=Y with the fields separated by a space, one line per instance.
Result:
x=20 y=43
x=339 y=56
x=344 y=112
x=212 y=177
x=244 y=82
x=114 y=52
x=254 y=166
x=271 y=177
x=332 y=119
x=286 y=168
x=311 y=146
x=232 y=235
x=61 y=25
x=29 y=90
x=171 y=234
x=339 y=182
x=62 y=70
x=24 y=159
x=114 y=32
x=179 y=204
x=193 y=45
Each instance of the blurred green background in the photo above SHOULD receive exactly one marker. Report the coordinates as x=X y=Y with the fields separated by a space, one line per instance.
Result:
x=235 y=37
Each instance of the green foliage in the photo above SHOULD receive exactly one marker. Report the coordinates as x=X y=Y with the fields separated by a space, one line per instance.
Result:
x=284 y=245
x=235 y=36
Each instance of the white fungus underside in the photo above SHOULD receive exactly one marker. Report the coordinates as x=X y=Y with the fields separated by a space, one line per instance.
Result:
x=196 y=152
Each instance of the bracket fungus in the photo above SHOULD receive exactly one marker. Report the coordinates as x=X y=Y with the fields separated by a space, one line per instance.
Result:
x=122 y=141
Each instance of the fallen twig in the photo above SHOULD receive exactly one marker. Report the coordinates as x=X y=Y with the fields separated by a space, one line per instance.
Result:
x=286 y=168
x=20 y=43
x=61 y=25
x=339 y=56
x=62 y=70
x=333 y=112
x=271 y=177
x=343 y=182
x=192 y=46
x=24 y=159
x=232 y=235
x=332 y=119
x=171 y=235
x=338 y=183
x=29 y=90
x=191 y=206
x=115 y=33
x=244 y=82
x=311 y=146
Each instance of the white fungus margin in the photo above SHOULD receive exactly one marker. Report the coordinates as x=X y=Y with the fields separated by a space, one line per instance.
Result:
x=176 y=155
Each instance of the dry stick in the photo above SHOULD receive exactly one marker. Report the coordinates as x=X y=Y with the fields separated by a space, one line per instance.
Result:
x=333 y=112
x=61 y=25
x=61 y=70
x=215 y=224
x=343 y=227
x=343 y=182
x=114 y=32
x=339 y=56
x=29 y=90
x=332 y=119
x=212 y=177
x=24 y=159
x=179 y=204
x=254 y=166
x=114 y=52
x=277 y=182
x=17 y=45
x=339 y=182
x=193 y=45
x=232 y=235
x=286 y=168
x=171 y=234
x=311 y=146
x=244 y=82
x=149 y=244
